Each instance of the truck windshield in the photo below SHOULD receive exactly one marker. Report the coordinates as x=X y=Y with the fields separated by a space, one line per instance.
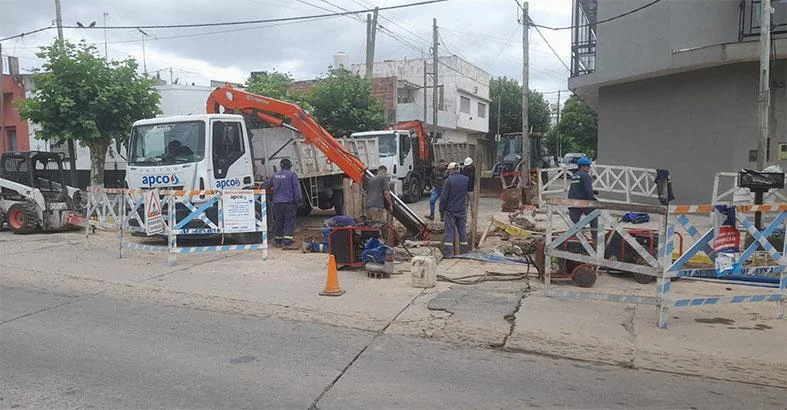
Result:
x=167 y=143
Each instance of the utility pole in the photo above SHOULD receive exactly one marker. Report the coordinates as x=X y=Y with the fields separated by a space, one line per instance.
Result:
x=765 y=84
x=371 y=35
x=144 y=58
x=106 y=53
x=525 y=179
x=426 y=87
x=559 y=155
x=435 y=101
x=72 y=156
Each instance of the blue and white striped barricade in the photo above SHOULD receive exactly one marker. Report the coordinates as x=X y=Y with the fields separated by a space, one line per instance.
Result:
x=239 y=215
x=104 y=207
x=702 y=248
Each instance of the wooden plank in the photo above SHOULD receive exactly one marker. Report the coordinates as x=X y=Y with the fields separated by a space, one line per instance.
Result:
x=474 y=208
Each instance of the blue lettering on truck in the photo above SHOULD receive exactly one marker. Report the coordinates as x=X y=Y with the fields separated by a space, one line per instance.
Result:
x=151 y=180
x=228 y=183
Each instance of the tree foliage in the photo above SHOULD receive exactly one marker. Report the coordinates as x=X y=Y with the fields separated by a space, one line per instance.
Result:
x=342 y=103
x=83 y=97
x=578 y=129
x=508 y=92
x=271 y=84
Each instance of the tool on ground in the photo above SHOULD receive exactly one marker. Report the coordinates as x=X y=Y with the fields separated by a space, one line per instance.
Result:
x=35 y=196
x=332 y=281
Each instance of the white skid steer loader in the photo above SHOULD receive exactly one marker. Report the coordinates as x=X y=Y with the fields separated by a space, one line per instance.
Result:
x=33 y=194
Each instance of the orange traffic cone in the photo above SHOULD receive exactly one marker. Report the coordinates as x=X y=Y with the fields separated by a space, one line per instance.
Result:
x=332 y=283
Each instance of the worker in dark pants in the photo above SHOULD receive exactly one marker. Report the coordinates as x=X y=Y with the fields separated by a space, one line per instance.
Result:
x=286 y=196
x=453 y=206
x=582 y=188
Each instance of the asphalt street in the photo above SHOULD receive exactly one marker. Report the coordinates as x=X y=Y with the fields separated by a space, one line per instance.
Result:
x=82 y=350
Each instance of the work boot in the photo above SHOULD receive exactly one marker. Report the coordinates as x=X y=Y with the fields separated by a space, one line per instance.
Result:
x=448 y=252
x=287 y=244
x=429 y=217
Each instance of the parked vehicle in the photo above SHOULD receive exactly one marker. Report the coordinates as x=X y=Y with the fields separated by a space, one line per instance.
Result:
x=569 y=161
x=216 y=151
x=408 y=153
x=34 y=196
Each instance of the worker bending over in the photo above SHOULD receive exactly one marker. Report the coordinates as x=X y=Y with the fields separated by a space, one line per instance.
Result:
x=582 y=188
x=453 y=206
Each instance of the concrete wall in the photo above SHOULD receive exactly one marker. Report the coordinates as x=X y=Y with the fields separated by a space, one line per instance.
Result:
x=643 y=42
x=694 y=124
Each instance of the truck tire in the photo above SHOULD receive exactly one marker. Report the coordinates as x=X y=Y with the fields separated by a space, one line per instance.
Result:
x=303 y=211
x=413 y=191
x=2 y=219
x=338 y=201
x=23 y=218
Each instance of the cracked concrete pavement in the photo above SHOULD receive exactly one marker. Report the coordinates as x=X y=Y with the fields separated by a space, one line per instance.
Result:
x=740 y=343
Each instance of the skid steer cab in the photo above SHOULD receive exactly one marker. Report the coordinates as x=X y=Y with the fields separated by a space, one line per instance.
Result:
x=33 y=194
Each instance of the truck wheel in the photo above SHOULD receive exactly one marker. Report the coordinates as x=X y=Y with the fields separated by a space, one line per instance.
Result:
x=338 y=201
x=2 y=219
x=414 y=191
x=23 y=218
x=303 y=211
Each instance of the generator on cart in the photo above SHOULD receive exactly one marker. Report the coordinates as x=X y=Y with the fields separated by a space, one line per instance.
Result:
x=34 y=196
x=615 y=249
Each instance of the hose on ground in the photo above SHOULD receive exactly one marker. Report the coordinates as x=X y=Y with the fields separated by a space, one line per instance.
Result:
x=484 y=277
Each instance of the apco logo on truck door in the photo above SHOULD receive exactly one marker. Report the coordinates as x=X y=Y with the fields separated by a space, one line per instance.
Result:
x=228 y=183
x=151 y=180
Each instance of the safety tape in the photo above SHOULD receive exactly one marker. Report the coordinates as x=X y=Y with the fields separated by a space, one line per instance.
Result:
x=679 y=303
x=705 y=208
x=221 y=248
x=94 y=190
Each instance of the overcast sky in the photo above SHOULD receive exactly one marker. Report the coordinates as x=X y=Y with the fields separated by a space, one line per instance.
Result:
x=485 y=32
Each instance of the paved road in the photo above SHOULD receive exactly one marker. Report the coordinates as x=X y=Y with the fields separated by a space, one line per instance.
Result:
x=65 y=350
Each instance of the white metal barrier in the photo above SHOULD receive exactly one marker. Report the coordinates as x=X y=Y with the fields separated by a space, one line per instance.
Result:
x=726 y=191
x=241 y=213
x=626 y=181
x=666 y=263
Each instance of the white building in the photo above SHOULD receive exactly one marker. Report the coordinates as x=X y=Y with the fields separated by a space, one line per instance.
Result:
x=463 y=97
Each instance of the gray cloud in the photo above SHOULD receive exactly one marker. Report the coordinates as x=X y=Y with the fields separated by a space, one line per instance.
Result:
x=483 y=32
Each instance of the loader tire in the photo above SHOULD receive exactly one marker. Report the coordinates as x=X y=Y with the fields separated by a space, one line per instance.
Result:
x=23 y=218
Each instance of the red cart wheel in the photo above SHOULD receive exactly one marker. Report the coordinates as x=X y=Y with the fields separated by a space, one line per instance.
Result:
x=584 y=275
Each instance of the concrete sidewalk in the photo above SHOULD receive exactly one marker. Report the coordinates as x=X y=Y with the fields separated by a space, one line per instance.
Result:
x=740 y=343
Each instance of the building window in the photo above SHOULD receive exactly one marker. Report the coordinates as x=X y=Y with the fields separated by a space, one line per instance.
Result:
x=481 y=110
x=405 y=96
x=441 y=99
x=11 y=138
x=464 y=105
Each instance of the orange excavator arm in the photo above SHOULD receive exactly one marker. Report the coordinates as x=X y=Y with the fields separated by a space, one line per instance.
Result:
x=284 y=114
x=271 y=110
x=420 y=132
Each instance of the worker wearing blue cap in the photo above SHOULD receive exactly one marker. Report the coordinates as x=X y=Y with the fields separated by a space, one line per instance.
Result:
x=582 y=188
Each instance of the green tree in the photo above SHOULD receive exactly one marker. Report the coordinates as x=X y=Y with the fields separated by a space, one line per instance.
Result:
x=342 y=103
x=271 y=84
x=578 y=127
x=83 y=97
x=508 y=93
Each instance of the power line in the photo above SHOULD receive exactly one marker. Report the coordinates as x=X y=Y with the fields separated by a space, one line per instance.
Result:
x=643 y=7
x=235 y=23
x=549 y=45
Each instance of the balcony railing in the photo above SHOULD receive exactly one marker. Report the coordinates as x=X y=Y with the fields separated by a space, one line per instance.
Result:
x=583 y=37
x=751 y=11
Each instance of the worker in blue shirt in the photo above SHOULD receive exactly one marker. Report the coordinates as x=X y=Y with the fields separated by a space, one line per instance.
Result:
x=286 y=195
x=453 y=206
x=582 y=188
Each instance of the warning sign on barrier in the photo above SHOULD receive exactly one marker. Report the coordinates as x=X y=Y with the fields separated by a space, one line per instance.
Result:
x=727 y=238
x=238 y=211
x=154 y=222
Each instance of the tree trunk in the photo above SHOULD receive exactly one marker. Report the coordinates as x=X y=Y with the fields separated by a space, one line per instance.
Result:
x=98 y=154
